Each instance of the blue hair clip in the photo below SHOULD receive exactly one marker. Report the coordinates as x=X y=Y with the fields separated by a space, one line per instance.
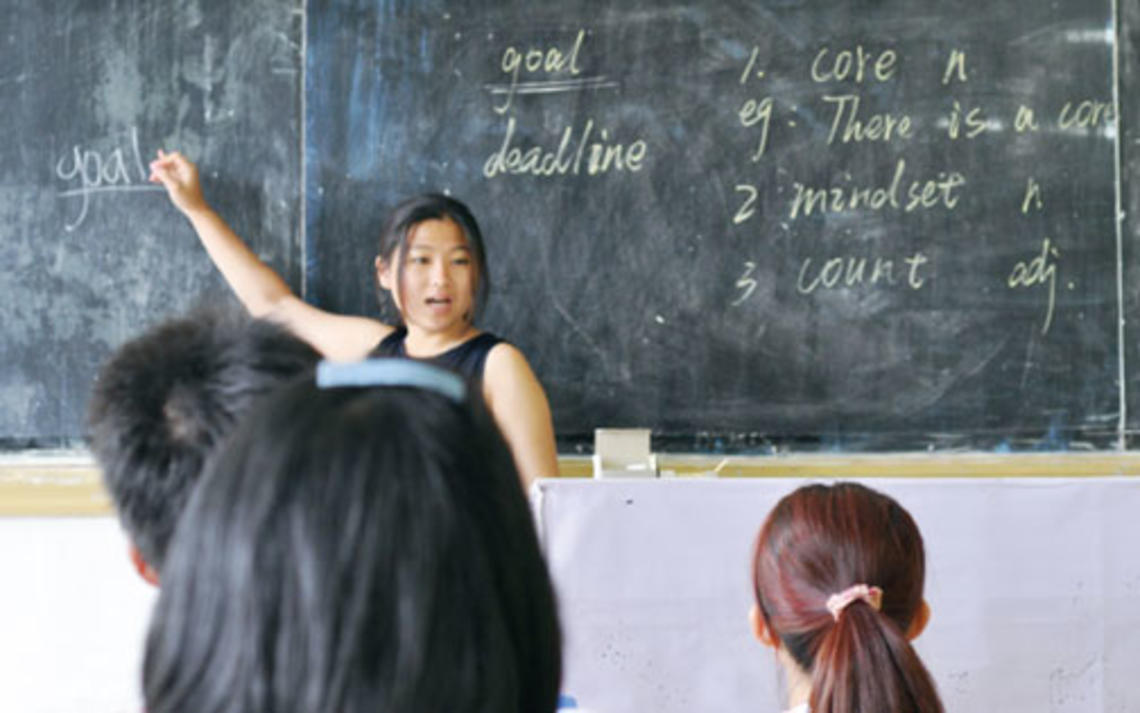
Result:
x=391 y=372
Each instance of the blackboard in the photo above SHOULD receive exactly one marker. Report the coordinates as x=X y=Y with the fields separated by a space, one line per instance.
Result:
x=92 y=254
x=757 y=226
x=651 y=260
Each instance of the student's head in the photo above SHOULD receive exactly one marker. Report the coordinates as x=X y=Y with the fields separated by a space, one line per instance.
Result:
x=838 y=575
x=357 y=549
x=165 y=400
x=432 y=222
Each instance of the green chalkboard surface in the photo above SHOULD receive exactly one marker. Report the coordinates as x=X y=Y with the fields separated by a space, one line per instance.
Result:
x=754 y=226
x=92 y=253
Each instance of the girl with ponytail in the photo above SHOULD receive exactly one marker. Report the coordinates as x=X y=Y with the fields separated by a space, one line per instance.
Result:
x=838 y=575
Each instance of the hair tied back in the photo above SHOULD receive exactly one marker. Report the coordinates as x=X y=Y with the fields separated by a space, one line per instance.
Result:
x=837 y=602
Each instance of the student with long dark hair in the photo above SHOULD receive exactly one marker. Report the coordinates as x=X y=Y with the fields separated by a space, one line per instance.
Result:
x=838 y=575
x=361 y=546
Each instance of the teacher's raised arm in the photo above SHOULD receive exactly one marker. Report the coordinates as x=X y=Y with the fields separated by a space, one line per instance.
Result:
x=432 y=263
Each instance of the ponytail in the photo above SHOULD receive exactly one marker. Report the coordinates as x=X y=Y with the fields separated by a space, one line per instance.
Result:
x=838 y=575
x=865 y=663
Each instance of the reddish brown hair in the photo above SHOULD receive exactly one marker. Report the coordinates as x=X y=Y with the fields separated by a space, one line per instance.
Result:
x=818 y=541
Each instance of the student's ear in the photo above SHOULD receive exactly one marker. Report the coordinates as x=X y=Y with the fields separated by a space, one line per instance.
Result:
x=760 y=630
x=144 y=569
x=383 y=273
x=919 y=622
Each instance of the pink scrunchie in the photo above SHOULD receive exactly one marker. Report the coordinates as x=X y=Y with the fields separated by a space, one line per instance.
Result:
x=837 y=602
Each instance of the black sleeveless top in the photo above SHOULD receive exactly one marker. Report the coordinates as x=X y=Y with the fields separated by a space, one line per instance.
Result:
x=466 y=359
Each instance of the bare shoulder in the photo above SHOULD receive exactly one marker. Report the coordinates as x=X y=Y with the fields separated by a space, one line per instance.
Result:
x=505 y=355
x=507 y=365
x=509 y=379
x=518 y=403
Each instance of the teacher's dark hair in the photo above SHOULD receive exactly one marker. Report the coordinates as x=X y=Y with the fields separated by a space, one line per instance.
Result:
x=435 y=206
x=351 y=550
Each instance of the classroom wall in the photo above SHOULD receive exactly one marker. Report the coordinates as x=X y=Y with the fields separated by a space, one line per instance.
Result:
x=1034 y=584
x=73 y=615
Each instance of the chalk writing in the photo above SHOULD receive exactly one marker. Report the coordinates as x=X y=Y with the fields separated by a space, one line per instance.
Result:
x=752 y=113
x=101 y=173
x=920 y=194
x=549 y=61
x=748 y=68
x=878 y=127
x=973 y=118
x=587 y=149
x=853 y=112
x=1085 y=114
x=574 y=153
x=748 y=208
x=746 y=283
x=1032 y=196
x=1041 y=270
x=851 y=271
x=955 y=67
x=858 y=117
x=1025 y=120
x=852 y=65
